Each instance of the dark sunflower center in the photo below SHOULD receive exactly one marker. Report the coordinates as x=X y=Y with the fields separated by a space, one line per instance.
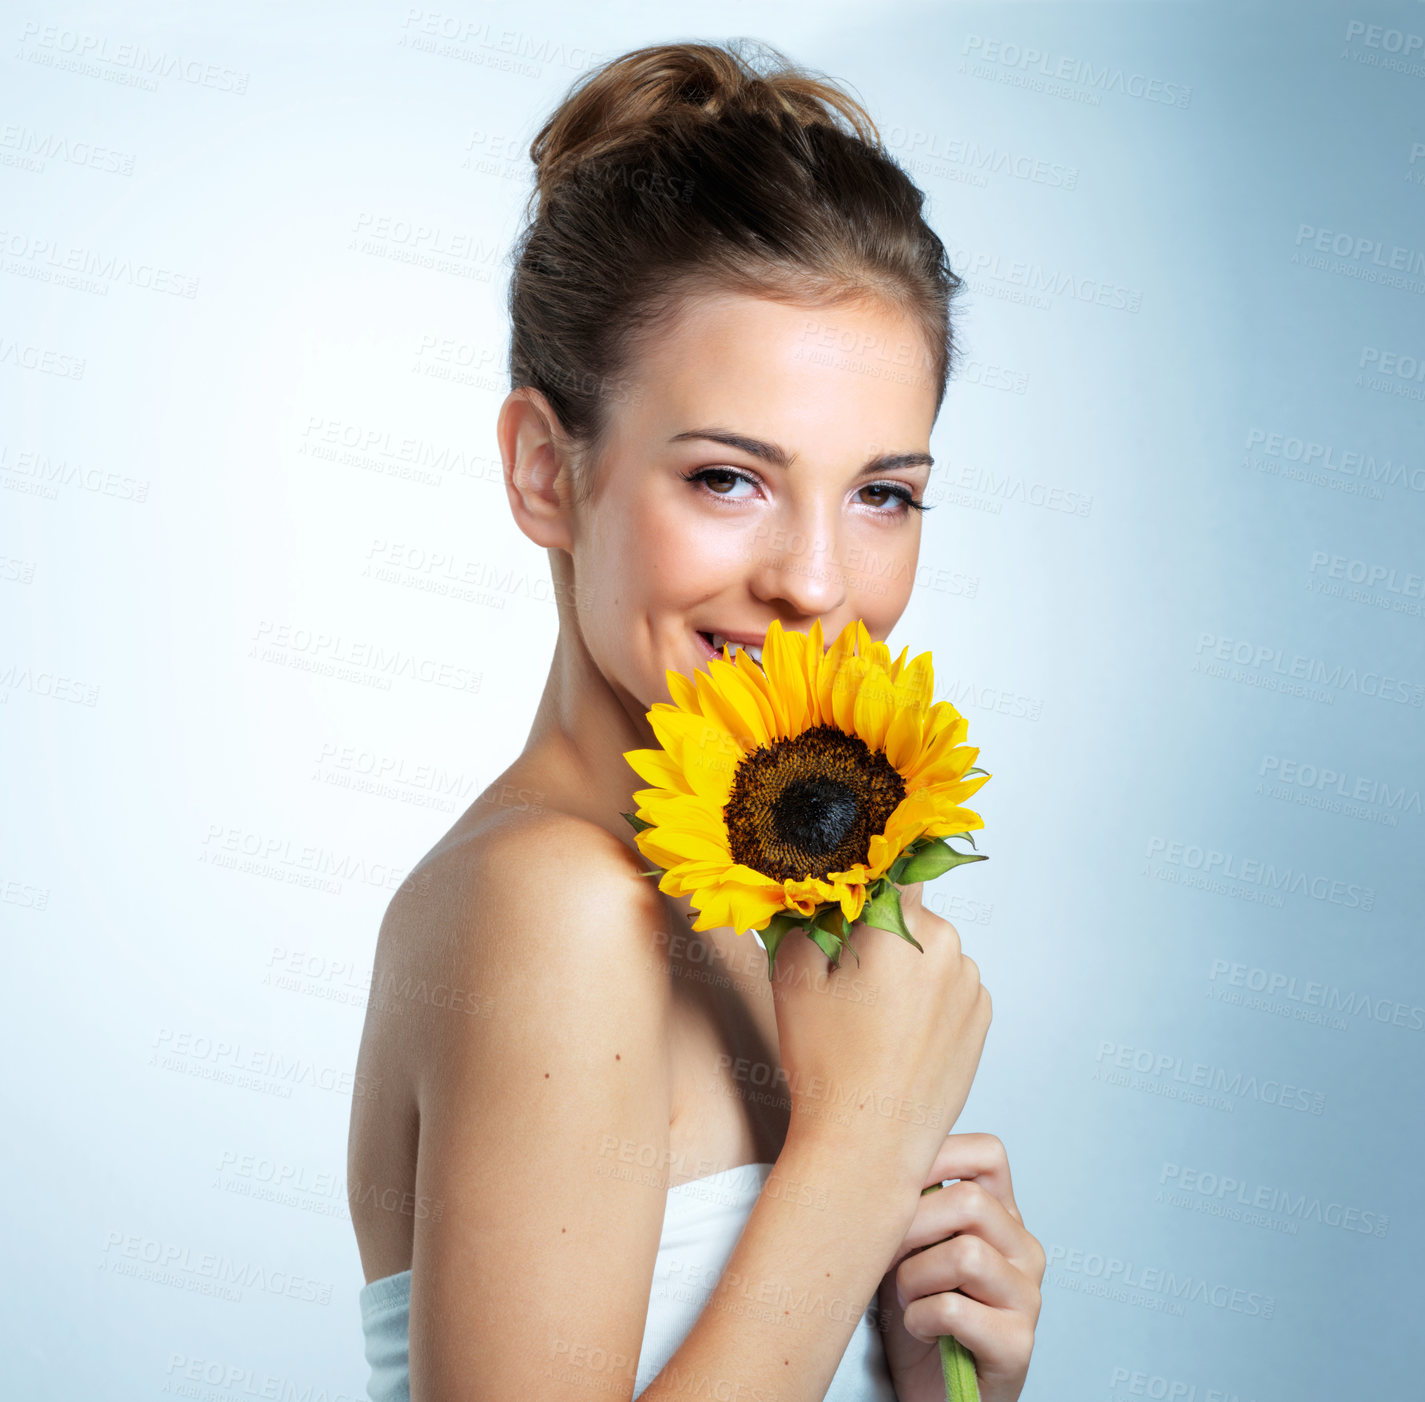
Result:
x=814 y=814
x=810 y=804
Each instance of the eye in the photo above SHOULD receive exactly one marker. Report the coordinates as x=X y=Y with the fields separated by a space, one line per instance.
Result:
x=897 y=492
x=707 y=475
x=901 y=494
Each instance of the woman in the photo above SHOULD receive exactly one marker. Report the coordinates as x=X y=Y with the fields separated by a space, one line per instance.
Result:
x=612 y=1159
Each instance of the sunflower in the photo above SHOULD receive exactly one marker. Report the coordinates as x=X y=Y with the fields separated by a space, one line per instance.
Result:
x=795 y=792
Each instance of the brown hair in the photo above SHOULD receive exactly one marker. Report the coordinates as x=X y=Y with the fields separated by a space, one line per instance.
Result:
x=679 y=169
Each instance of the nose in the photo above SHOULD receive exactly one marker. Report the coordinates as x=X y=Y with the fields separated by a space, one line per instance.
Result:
x=796 y=572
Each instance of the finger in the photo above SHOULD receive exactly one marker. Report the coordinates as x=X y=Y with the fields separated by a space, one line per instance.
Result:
x=972 y=1266
x=978 y=1156
x=1001 y=1340
x=967 y=1206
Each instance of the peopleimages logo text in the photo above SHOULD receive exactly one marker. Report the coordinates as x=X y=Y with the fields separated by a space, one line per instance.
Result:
x=1264 y=657
x=1255 y=871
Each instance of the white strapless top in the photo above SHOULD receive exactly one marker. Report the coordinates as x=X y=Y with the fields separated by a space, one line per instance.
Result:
x=702 y=1223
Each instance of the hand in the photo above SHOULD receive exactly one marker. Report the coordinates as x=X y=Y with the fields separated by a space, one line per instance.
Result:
x=967 y=1267
x=881 y=1065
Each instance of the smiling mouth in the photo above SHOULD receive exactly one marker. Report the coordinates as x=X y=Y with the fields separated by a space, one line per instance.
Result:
x=711 y=650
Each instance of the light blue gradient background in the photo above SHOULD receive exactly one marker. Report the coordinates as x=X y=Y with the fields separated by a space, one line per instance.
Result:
x=1094 y=623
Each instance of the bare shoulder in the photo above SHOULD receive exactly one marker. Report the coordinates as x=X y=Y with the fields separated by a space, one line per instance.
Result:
x=530 y=901
x=530 y=1105
x=533 y=919
x=514 y=948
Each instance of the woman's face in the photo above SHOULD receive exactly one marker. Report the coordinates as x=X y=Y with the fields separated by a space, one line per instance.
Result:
x=697 y=526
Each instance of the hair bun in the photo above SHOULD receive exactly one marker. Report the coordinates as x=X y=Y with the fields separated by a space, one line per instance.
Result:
x=666 y=88
x=680 y=169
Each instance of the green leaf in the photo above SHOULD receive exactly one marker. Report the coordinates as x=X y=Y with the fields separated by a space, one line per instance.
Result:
x=826 y=942
x=897 y=868
x=775 y=931
x=919 y=863
x=638 y=823
x=975 y=770
x=832 y=919
x=936 y=859
x=884 y=912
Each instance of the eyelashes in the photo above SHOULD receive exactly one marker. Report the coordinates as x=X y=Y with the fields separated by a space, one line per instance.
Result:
x=898 y=490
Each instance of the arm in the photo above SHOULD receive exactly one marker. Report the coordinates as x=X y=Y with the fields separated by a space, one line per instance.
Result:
x=534 y=1279
x=798 y=1281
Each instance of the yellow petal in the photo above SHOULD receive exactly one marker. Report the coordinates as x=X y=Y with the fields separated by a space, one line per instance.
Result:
x=703 y=750
x=815 y=661
x=686 y=815
x=881 y=855
x=667 y=847
x=755 y=679
x=874 y=707
x=903 y=736
x=724 y=705
x=682 y=690
x=784 y=661
x=947 y=794
x=917 y=681
x=942 y=750
x=953 y=820
x=853 y=901
x=740 y=688
x=908 y=820
x=846 y=691
x=942 y=716
x=830 y=697
x=657 y=767
x=689 y=876
x=739 y=905
x=803 y=903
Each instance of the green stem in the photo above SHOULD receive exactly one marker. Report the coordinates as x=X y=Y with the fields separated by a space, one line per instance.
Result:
x=957 y=1366
x=957 y=1363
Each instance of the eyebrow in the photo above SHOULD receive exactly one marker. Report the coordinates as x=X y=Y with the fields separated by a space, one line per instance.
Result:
x=778 y=456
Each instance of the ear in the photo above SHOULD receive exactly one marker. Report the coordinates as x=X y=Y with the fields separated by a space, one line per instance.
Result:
x=536 y=468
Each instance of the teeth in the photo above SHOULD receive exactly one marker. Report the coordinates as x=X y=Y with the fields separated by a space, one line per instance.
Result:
x=753 y=650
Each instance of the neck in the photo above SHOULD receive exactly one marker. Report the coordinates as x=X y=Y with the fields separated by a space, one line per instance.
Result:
x=583 y=725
